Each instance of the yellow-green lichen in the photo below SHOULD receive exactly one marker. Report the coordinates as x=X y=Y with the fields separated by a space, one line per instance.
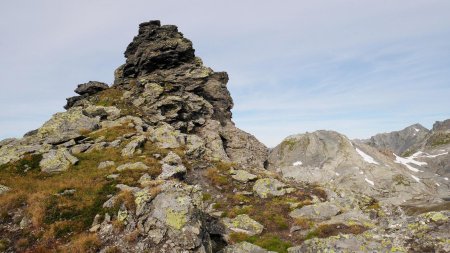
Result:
x=435 y=216
x=175 y=219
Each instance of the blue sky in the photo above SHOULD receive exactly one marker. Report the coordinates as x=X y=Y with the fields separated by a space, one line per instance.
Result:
x=357 y=67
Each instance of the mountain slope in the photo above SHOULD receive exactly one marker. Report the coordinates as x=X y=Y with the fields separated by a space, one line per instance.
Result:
x=328 y=157
x=154 y=163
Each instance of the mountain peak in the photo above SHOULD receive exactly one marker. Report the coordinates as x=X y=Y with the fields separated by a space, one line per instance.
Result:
x=156 y=47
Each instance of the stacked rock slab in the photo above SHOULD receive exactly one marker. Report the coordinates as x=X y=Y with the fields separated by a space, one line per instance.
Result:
x=169 y=84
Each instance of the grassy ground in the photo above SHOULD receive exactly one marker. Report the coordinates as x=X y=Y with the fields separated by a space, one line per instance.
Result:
x=56 y=218
x=272 y=212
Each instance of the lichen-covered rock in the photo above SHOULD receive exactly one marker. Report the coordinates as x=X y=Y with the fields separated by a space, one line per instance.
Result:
x=267 y=187
x=80 y=148
x=243 y=247
x=243 y=176
x=177 y=209
x=67 y=125
x=172 y=159
x=172 y=171
x=145 y=180
x=318 y=211
x=57 y=161
x=131 y=147
x=132 y=166
x=106 y=164
x=243 y=224
x=15 y=149
x=195 y=146
x=4 y=189
x=141 y=197
x=104 y=112
x=166 y=136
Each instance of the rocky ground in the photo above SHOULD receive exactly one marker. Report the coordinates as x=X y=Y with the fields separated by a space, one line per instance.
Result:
x=154 y=163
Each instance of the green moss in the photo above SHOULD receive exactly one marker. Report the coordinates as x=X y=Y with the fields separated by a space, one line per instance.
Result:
x=270 y=242
x=400 y=180
x=398 y=249
x=206 y=196
x=3 y=245
x=312 y=234
x=289 y=144
x=112 y=133
x=408 y=153
x=27 y=163
x=438 y=139
x=435 y=216
x=113 y=97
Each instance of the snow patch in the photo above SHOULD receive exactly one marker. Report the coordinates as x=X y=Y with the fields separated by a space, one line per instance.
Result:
x=446 y=178
x=417 y=130
x=426 y=155
x=438 y=184
x=416 y=178
x=406 y=161
x=297 y=163
x=433 y=156
x=369 y=181
x=366 y=157
x=337 y=174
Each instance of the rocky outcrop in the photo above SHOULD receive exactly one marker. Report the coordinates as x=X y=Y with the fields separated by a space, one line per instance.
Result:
x=169 y=84
x=327 y=157
x=401 y=141
x=57 y=161
x=441 y=125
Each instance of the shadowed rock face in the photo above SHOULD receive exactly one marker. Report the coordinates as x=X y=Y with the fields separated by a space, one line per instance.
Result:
x=441 y=125
x=156 y=47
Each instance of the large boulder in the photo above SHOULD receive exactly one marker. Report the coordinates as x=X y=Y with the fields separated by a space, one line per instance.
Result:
x=243 y=224
x=269 y=187
x=57 y=161
x=91 y=88
x=67 y=125
x=318 y=211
